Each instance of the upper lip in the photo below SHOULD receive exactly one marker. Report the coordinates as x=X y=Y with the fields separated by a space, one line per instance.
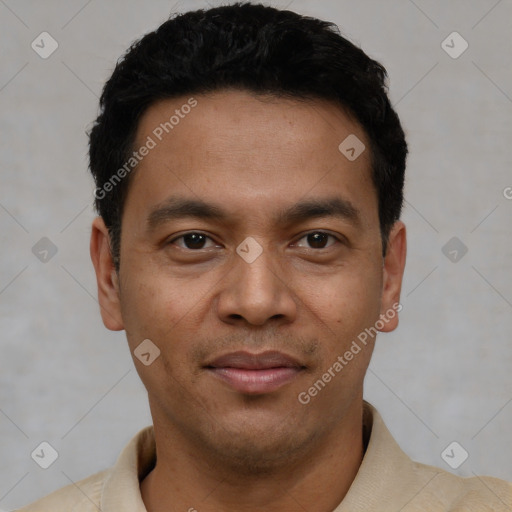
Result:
x=248 y=361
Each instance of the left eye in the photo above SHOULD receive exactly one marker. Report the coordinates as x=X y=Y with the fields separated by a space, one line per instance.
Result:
x=317 y=240
x=193 y=241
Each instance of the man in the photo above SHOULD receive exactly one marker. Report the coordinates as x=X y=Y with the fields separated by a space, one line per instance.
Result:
x=249 y=171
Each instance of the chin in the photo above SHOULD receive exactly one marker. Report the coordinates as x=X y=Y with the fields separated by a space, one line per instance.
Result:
x=250 y=447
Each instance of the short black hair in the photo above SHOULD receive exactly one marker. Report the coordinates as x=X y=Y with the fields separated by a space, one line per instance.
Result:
x=251 y=47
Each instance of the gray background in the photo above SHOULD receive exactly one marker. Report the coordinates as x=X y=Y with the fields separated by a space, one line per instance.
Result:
x=444 y=375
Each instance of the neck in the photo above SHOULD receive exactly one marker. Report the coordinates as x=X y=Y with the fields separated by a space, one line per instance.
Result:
x=186 y=478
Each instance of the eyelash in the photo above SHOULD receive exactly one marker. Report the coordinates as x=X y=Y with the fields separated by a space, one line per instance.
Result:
x=303 y=236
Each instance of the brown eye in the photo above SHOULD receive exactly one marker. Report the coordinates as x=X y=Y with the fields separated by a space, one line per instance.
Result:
x=317 y=240
x=192 y=241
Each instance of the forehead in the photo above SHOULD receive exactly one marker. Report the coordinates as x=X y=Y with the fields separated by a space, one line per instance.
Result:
x=250 y=151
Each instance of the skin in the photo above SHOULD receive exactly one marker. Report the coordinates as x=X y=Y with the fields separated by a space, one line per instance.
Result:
x=219 y=449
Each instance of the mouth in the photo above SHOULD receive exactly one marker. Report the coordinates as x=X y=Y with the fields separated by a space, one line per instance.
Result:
x=255 y=373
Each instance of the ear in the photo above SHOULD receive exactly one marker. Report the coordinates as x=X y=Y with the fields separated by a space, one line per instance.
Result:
x=106 y=276
x=394 y=265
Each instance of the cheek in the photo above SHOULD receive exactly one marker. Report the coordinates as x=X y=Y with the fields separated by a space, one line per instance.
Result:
x=155 y=308
x=157 y=289
x=347 y=302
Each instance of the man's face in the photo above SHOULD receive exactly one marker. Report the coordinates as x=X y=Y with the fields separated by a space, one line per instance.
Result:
x=269 y=170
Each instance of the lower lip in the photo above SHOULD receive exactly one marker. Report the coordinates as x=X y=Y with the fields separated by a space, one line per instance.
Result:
x=256 y=381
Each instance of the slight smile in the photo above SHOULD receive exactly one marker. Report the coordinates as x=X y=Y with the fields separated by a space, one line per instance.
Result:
x=255 y=373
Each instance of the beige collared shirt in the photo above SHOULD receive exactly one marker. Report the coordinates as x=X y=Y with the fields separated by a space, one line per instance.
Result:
x=387 y=481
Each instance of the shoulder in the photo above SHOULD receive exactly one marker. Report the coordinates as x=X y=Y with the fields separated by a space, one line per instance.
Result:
x=114 y=489
x=457 y=494
x=389 y=479
x=82 y=496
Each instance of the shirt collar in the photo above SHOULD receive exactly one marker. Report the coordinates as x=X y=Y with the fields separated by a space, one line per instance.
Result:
x=387 y=478
x=121 y=490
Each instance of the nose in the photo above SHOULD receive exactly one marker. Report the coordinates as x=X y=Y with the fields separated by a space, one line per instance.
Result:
x=256 y=293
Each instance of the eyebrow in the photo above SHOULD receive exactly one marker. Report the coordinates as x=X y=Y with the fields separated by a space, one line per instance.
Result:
x=179 y=208
x=316 y=208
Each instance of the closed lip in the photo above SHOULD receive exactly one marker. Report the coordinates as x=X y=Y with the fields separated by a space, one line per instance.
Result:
x=249 y=361
x=255 y=374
